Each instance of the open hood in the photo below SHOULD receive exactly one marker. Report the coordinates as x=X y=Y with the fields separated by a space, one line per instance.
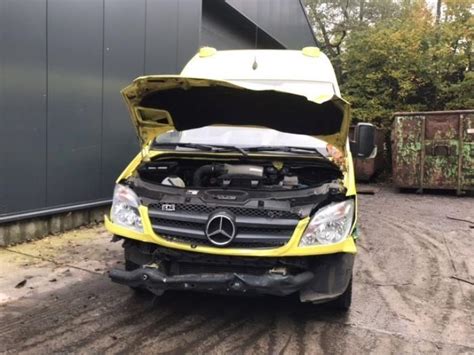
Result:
x=161 y=103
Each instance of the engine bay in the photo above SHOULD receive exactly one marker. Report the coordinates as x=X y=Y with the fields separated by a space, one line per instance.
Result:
x=248 y=173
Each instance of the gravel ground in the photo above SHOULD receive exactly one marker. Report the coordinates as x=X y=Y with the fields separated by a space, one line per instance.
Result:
x=413 y=293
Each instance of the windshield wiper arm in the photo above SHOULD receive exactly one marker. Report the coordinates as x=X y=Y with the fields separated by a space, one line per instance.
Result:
x=286 y=149
x=205 y=147
x=241 y=150
x=184 y=145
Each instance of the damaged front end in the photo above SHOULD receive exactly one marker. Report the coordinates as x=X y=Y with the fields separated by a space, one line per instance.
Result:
x=243 y=185
x=237 y=224
x=317 y=279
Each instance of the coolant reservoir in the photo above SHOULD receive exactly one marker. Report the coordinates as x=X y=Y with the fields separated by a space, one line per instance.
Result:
x=173 y=181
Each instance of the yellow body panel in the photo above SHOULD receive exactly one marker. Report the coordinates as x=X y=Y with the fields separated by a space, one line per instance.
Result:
x=289 y=249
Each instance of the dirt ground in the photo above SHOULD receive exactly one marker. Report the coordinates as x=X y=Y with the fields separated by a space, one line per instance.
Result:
x=413 y=293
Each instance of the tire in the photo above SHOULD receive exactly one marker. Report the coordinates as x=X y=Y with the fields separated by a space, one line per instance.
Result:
x=343 y=302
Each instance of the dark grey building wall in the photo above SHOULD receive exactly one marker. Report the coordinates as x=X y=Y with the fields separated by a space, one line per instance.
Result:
x=74 y=102
x=225 y=27
x=216 y=32
x=65 y=132
x=124 y=59
x=284 y=20
x=172 y=34
x=23 y=131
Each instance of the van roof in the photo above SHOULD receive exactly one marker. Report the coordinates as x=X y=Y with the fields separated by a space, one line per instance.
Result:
x=278 y=65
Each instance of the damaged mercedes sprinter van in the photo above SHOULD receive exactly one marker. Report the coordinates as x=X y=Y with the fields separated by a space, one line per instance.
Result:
x=245 y=182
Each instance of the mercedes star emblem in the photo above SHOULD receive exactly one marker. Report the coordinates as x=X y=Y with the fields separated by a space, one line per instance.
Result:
x=220 y=229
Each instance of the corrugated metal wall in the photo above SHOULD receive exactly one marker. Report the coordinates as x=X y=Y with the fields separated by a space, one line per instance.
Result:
x=64 y=131
x=225 y=27
x=284 y=20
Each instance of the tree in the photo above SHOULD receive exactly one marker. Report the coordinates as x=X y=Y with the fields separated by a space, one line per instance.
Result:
x=334 y=20
x=396 y=55
x=438 y=10
x=387 y=67
x=452 y=54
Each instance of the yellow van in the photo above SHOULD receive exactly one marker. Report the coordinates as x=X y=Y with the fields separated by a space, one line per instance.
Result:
x=245 y=182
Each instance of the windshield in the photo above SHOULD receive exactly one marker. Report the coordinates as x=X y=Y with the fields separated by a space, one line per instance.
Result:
x=243 y=137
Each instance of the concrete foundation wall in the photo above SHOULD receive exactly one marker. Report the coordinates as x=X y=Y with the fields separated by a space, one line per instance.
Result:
x=36 y=228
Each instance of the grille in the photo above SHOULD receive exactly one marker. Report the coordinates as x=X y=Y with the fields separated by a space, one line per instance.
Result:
x=180 y=256
x=238 y=211
x=173 y=223
x=256 y=228
x=240 y=245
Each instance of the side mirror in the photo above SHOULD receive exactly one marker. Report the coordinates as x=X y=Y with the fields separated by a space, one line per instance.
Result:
x=364 y=142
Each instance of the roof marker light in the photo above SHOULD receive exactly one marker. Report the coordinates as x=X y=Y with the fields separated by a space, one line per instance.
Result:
x=311 y=51
x=207 y=52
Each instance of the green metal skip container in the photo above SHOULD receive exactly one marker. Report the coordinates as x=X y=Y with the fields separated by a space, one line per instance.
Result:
x=433 y=150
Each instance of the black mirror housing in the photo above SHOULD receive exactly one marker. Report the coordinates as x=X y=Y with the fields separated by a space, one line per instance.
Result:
x=364 y=144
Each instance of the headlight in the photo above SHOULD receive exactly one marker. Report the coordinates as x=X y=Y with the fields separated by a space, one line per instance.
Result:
x=125 y=208
x=329 y=225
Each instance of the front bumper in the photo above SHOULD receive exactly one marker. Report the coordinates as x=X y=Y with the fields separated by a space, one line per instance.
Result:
x=157 y=282
x=316 y=278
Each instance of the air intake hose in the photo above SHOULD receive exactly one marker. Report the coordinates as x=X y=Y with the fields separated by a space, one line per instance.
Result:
x=254 y=171
x=207 y=170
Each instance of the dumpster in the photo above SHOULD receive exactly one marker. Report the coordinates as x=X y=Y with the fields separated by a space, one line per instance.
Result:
x=365 y=169
x=433 y=150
